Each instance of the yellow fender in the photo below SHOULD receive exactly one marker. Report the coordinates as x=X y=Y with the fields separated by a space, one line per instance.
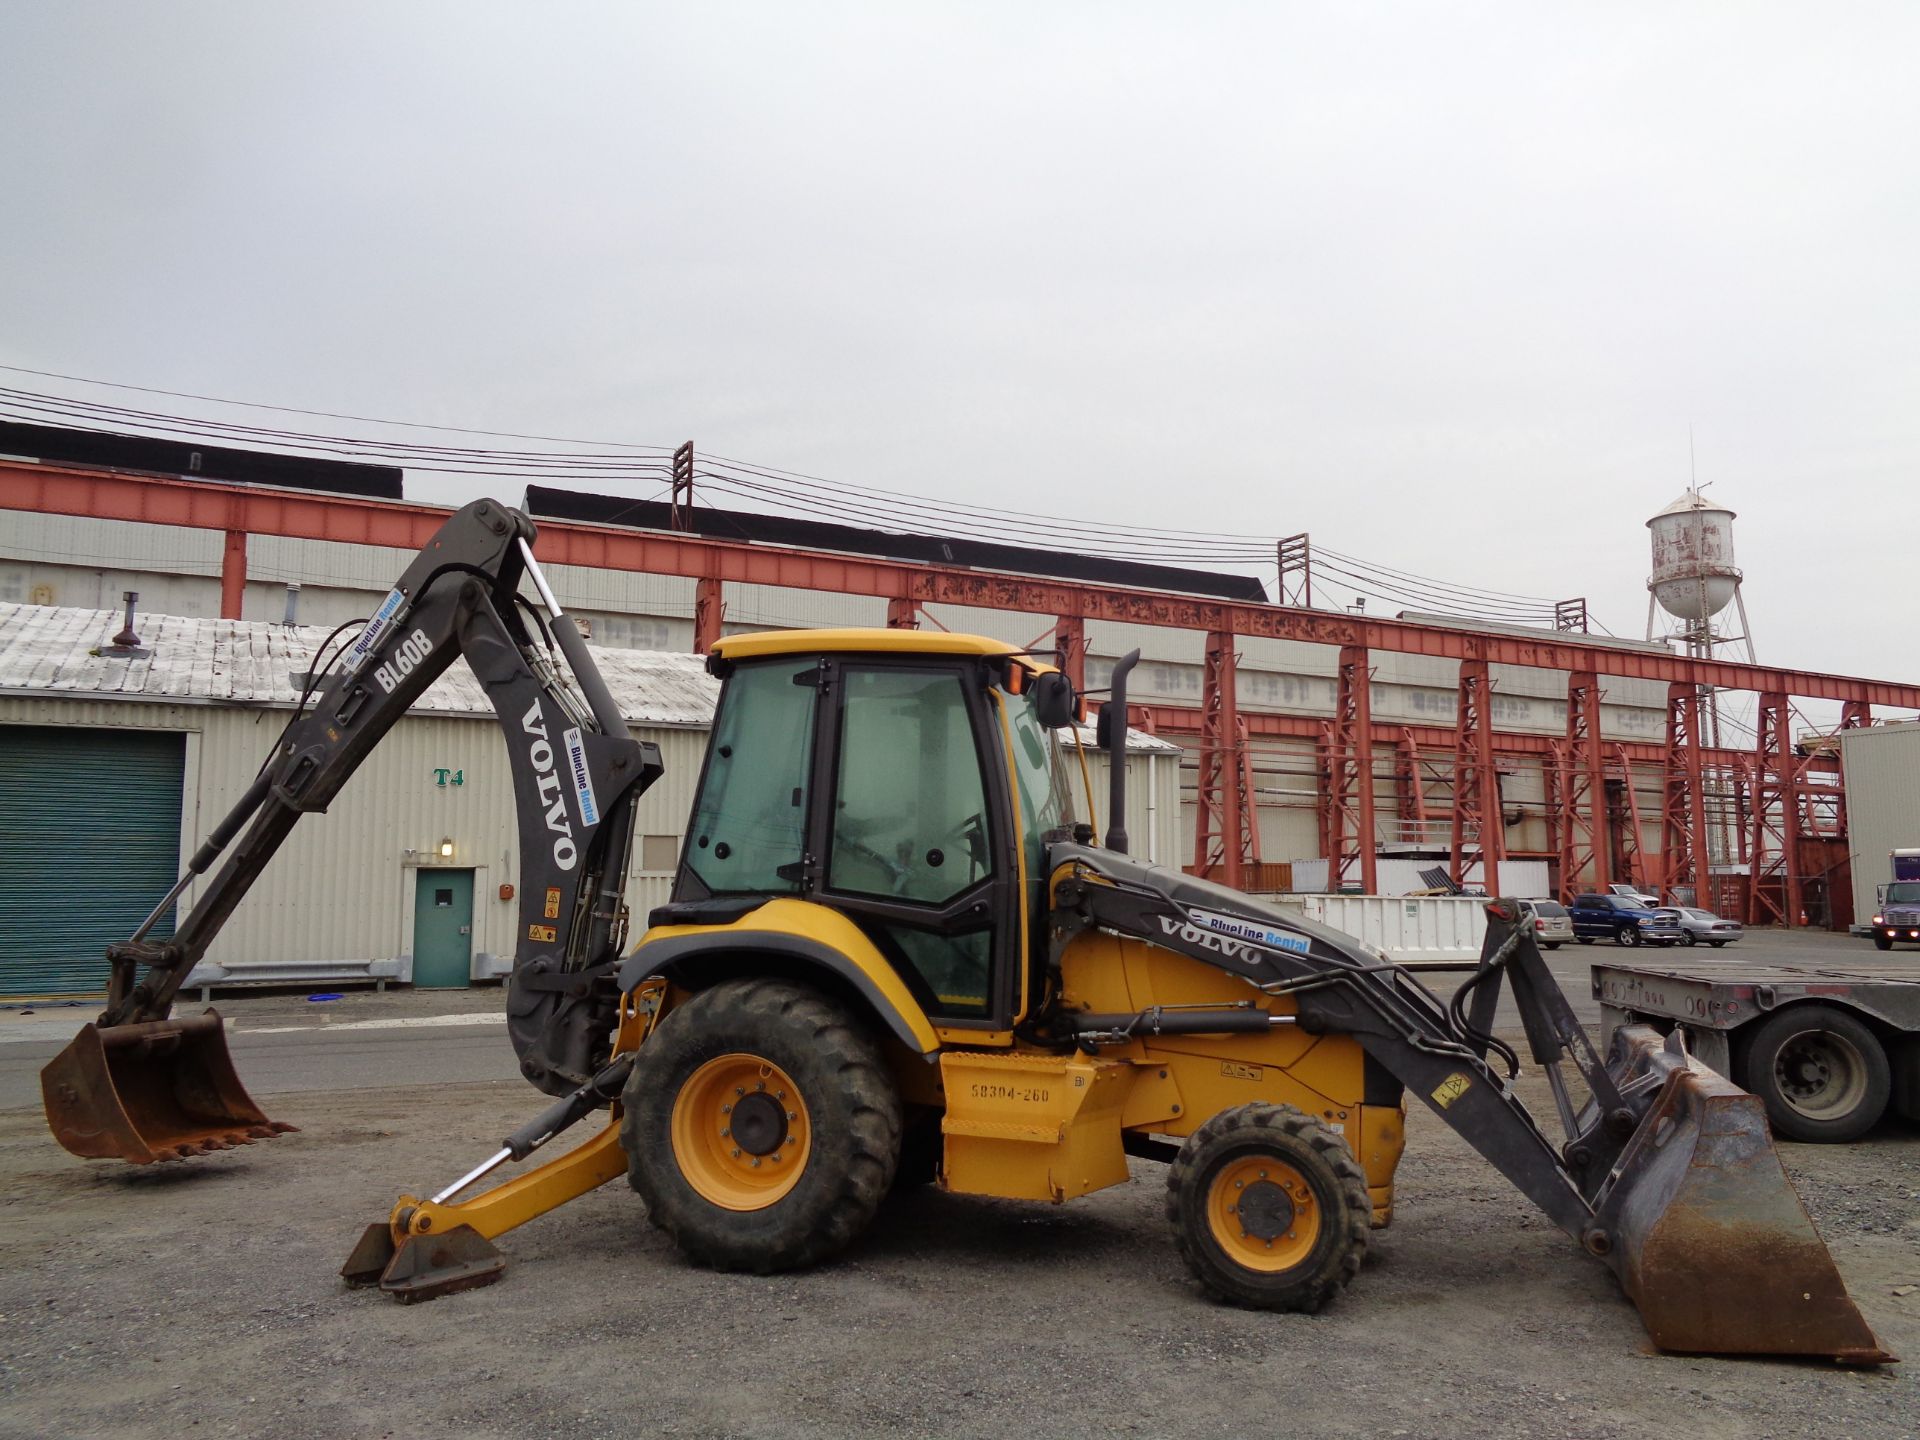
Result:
x=803 y=937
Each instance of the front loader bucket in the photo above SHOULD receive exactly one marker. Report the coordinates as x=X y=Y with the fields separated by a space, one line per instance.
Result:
x=161 y=1090
x=1706 y=1232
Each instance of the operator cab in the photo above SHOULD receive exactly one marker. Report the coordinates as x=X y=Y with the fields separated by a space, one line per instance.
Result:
x=901 y=778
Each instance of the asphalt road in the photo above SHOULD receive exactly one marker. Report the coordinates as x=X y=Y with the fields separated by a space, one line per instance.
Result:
x=282 y=1044
x=364 y=1040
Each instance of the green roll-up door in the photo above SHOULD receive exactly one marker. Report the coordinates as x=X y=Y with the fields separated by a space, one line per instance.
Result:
x=89 y=842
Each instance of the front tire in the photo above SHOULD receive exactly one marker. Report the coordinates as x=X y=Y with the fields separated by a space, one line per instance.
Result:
x=1687 y=937
x=1626 y=935
x=760 y=1126
x=1269 y=1209
x=1883 y=942
x=1822 y=1074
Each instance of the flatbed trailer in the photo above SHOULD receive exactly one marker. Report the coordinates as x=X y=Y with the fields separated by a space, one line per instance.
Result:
x=1828 y=1048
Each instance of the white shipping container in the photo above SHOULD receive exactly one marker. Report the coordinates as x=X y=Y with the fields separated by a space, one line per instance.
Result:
x=1408 y=929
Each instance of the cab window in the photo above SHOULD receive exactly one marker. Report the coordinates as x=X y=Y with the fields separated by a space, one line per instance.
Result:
x=749 y=825
x=910 y=811
x=910 y=829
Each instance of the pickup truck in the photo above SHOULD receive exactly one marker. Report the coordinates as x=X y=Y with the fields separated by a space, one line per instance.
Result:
x=1622 y=920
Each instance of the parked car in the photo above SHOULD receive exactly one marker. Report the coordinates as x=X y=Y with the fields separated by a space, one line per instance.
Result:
x=1703 y=927
x=1623 y=921
x=1552 y=926
x=1634 y=892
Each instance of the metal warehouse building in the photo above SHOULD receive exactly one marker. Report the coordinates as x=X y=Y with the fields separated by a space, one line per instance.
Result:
x=113 y=769
x=1882 y=766
x=72 y=561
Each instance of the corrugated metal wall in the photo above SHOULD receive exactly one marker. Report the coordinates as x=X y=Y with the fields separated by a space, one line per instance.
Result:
x=1882 y=768
x=89 y=828
x=390 y=821
x=339 y=897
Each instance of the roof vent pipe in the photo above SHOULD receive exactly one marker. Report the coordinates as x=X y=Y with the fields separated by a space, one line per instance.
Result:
x=293 y=603
x=126 y=639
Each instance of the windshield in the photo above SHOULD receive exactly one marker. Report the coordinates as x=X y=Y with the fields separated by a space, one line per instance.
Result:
x=1045 y=803
x=1904 y=892
x=1039 y=776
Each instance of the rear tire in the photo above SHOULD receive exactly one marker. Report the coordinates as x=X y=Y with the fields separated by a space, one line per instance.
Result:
x=1626 y=935
x=810 y=1088
x=1718 y=944
x=1822 y=1074
x=1269 y=1209
x=1584 y=939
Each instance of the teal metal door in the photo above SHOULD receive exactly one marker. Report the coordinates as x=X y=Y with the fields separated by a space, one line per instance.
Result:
x=89 y=842
x=442 y=929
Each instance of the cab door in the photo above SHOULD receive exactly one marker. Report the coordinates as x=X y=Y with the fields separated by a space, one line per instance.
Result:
x=912 y=832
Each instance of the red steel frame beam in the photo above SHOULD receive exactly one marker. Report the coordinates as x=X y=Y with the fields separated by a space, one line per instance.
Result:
x=164 y=500
x=1350 y=819
x=233 y=575
x=1773 y=875
x=1623 y=818
x=1583 y=791
x=1221 y=816
x=1683 y=816
x=1276 y=725
x=1479 y=822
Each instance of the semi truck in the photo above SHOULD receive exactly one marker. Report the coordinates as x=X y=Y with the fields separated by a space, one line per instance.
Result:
x=1896 y=911
x=1829 y=1049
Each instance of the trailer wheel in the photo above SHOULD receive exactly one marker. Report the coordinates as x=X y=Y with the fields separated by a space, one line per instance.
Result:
x=1822 y=1074
x=1269 y=1209
x=1627 y=935
x=761 y=1127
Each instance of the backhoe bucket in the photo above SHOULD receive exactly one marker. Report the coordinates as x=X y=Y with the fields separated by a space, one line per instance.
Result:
x=1705 y=1230
x=161 y=1090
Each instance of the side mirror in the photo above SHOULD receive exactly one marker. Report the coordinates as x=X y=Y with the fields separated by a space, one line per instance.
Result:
x=1054 y=702
x=1103 y=728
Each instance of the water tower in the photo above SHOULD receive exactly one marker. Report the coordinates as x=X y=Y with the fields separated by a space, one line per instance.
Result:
x=1694 y=578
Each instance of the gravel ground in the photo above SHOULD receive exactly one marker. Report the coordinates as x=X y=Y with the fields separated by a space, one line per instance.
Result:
x=201 y=1299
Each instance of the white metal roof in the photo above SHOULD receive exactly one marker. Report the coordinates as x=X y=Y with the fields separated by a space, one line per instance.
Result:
x=49 y=650
x=1691 y=501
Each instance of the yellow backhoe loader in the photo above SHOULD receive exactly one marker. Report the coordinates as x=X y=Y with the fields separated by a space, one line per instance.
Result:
x=893 y=955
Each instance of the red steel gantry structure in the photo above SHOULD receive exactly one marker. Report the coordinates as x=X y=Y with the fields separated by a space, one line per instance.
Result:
x=1777 y=794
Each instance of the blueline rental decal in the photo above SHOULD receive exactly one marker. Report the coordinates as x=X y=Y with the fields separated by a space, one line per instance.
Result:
x=1249 y=930
x=582 y=777
x=358 y=652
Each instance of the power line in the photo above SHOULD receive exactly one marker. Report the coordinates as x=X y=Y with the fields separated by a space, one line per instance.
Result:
x=764 y=486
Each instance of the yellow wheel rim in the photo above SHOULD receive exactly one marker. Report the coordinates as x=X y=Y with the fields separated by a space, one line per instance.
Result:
x=1262 y=1213
x=741 y=1135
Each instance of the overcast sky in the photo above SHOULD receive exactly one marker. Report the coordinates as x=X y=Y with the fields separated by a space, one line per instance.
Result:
x=1445 y=286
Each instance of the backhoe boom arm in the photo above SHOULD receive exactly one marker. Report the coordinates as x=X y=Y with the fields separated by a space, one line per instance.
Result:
x=576 y=775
